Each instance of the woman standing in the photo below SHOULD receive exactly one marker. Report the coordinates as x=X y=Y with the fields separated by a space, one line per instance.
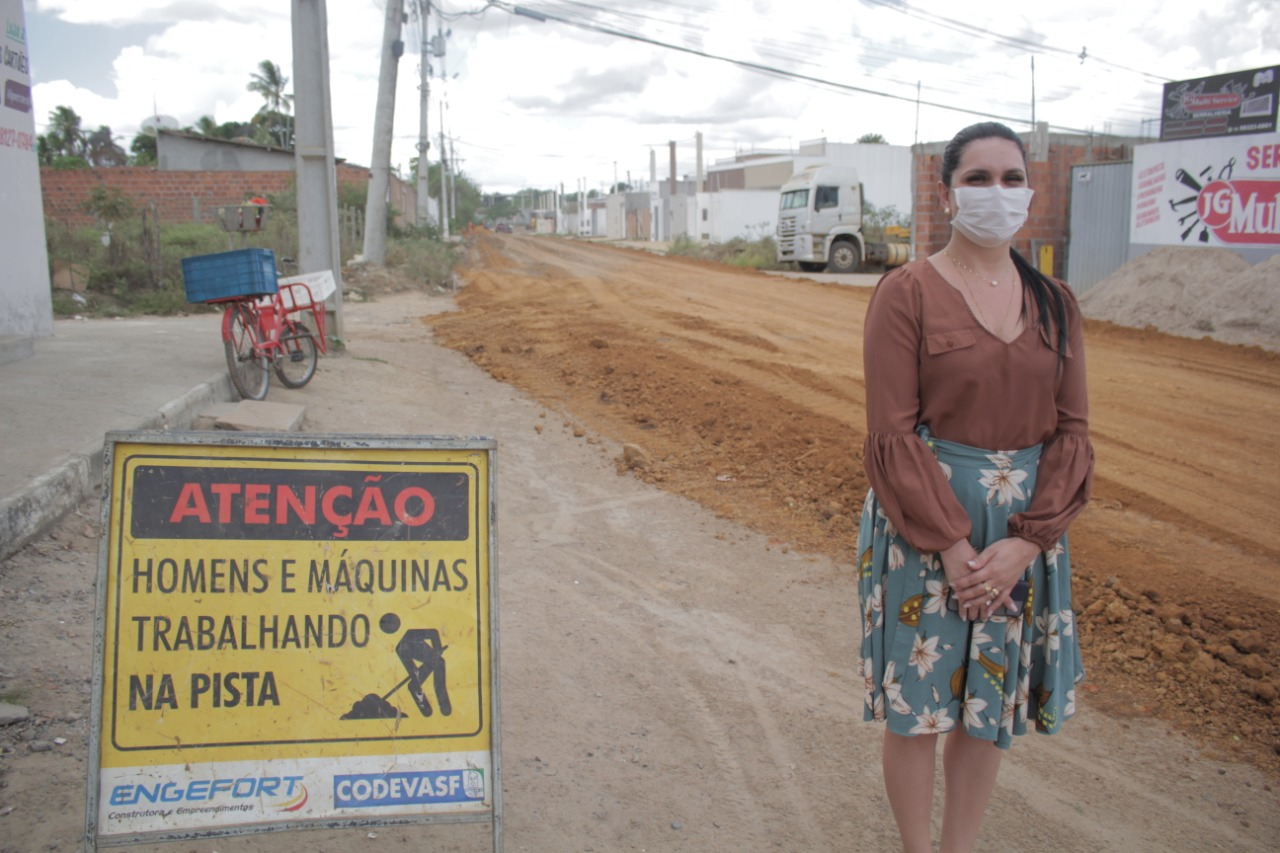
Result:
x=978 y=457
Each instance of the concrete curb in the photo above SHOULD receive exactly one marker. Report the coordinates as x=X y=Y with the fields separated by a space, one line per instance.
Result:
x=51 y=496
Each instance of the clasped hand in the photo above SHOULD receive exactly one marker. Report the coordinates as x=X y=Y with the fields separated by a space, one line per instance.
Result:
x=981 y=582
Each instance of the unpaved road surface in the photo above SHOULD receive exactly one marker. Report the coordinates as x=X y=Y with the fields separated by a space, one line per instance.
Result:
x=679 y=617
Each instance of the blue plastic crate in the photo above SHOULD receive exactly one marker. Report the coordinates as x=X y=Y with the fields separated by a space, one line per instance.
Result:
x=243 y=272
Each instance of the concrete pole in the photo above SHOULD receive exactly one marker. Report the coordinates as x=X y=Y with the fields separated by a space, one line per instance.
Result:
x=453 y=182
x=424 y=133
x=670 y=207
x=445 y=210
x=444 y=181
x=671 y=182
x=697 y=186
x=314 y=165
x=375 y=206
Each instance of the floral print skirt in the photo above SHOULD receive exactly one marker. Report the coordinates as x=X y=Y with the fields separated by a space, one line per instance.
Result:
x=928 y=670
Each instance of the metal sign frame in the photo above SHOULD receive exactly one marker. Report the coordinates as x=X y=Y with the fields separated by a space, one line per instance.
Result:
x=239 y=541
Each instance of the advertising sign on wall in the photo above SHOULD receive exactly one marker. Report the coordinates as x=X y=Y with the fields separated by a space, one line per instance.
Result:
x=1222 y=105
x=293 y=633
x=1208 y=192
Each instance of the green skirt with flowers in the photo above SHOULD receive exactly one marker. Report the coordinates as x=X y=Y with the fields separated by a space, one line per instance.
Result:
x=928 y=670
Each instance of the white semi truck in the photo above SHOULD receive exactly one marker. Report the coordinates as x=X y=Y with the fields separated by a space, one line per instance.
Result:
x=820 y=223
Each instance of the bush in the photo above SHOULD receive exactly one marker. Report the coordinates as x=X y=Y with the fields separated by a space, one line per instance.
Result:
x=140 y=270
x=686 y=246
x=428 y=261
x=65 y=306
x=761 y=254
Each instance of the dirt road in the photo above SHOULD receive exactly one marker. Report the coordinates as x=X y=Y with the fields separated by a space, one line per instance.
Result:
x=679 y=616
x=746 y=392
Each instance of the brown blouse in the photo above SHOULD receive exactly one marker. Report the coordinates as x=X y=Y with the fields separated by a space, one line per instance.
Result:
x=927 y=360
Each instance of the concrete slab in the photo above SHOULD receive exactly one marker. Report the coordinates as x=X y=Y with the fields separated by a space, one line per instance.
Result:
x=262 y=416
x=208 y=417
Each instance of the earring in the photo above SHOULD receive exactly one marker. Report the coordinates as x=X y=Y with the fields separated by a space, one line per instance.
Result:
x=946 y=210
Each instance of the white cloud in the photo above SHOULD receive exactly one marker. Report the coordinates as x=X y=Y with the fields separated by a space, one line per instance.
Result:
x=543 y=103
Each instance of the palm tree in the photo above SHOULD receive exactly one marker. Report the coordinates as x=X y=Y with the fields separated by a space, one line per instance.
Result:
x=207 y=126
x=101 y=148
x=65 y=135
x=270 y=83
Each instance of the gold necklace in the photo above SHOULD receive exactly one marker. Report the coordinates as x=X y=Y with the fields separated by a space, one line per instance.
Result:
x=963 y=267
x=998 y=331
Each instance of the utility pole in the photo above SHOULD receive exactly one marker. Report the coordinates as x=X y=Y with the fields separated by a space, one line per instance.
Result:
x=444 y=179
x=375 y=207
x=424 y=98
x=314 y=155
x=453 y=181
x=445 y=212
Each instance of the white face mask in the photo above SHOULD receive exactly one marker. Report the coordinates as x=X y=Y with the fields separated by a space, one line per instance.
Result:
x=990 y=216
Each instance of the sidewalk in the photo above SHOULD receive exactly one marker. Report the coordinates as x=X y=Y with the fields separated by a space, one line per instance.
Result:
x=90 y=377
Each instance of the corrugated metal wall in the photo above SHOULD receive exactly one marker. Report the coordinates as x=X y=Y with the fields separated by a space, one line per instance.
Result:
x=1098 y=230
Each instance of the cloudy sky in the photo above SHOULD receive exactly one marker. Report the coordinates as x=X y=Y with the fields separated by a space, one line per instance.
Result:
x=585 y=95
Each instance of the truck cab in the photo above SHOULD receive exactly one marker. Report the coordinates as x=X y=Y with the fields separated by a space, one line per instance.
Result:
x=820 y=220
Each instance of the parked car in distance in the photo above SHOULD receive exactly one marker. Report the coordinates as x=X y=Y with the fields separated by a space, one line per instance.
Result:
x=503 y=228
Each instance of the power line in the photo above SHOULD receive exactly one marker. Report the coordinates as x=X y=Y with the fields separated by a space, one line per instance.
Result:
x=540 y=15
x=809 y=43
x=1010 y=41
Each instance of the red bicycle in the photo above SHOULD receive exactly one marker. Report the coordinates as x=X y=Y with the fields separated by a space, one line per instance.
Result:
x=262 y=333
x=264 y=325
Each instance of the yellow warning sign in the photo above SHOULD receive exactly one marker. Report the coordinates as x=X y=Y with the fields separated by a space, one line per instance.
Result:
x=296 y=630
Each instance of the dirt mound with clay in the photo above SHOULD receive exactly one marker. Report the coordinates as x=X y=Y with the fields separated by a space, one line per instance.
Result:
x=1194 y=293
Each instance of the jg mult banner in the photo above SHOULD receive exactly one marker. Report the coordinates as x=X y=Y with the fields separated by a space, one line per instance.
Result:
x=294 y=633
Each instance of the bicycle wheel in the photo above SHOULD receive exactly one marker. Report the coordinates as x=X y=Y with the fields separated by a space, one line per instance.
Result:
x=296 y=359
x=245 y=360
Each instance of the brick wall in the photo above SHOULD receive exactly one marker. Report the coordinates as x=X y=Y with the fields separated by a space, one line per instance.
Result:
x=1050 y=207
x=186 y=196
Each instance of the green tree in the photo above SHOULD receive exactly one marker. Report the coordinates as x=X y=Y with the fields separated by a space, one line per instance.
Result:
x=207 y=127
x=44 y=150
x=468 y=198
x=499 y=206
x=108 y=204
x=873 y=139
x=101 y=148
x=143 y=147
x=269 y=82
x=66 y=138
x=272 y=128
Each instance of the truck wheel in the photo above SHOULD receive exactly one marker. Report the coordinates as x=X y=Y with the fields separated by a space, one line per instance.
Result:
x=844 y=257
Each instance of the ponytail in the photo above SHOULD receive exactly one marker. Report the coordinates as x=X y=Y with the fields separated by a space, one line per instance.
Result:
x=1051 y=306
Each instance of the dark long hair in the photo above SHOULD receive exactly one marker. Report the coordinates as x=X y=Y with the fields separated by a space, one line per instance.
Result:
x=1051 y=306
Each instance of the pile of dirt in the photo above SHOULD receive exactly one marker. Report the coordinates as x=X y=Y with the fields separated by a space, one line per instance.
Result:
x=1193 y=293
